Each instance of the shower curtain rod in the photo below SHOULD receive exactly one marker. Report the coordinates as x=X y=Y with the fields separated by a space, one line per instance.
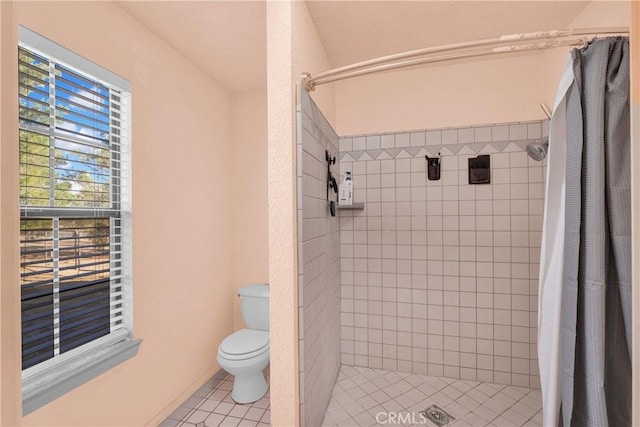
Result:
x=492 y=46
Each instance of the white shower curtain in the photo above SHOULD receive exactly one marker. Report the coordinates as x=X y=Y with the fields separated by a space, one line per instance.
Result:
x=552 y=257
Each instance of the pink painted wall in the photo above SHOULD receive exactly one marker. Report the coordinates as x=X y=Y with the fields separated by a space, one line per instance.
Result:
x=293 y=47
x=250 y=255
x=309 y=56
x=470 y=92
x=283 y=297
x=493 y=90
x=182 y=204
x=9 y=225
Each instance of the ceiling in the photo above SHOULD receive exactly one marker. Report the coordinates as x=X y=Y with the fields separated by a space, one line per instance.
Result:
x=227 y=39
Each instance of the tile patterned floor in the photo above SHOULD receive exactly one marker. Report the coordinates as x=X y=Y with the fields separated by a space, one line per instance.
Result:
x=361 y=394
x=396 y=398
x=212 y=406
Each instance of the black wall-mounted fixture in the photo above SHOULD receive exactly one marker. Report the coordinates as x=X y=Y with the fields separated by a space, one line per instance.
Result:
x=480 y=169
x=433 y=167
x=331 y=183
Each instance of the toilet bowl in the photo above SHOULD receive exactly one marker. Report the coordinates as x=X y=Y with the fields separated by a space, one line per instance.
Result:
x=245 y=353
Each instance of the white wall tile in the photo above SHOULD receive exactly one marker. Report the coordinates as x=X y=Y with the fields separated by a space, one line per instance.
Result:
x=439 y=276
x=500 y=133
x=373 y=142
x=534 y=130
x=434 y=137
x=517 y=132
x=417 y=139
x=386 y=141
x=449 y=136
x=359 y=143
x=466 y=136
x=346 y=144
x=402 y=140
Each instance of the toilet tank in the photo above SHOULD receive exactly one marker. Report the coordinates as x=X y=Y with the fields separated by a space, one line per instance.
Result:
x=254 y=306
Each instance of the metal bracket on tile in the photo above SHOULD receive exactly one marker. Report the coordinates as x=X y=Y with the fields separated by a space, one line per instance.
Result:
x=331 y=183
x=433 y=167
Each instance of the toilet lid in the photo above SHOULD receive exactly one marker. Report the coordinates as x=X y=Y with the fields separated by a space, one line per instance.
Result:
x=245 y=341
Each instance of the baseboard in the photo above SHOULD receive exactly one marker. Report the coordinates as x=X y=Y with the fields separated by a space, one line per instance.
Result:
x=214 y=372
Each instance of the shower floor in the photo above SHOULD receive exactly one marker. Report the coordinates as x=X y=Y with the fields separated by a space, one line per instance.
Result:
x=368 y=397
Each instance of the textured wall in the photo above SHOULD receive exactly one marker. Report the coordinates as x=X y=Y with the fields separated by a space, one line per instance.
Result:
x=319 y=264
x=293 y=47
x=440 y=277
x=462 y=93
x=250 y=246
x=10 y=362
x=459 y=93
x=178 y=149
x=282 y=217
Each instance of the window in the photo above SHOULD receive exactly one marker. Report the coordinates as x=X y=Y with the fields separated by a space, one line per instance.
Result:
x=75 y=239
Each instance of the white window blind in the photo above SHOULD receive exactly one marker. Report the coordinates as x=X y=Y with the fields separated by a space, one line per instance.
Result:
x=74 y=206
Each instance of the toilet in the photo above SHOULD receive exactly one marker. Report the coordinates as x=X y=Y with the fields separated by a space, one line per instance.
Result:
x=245 y=353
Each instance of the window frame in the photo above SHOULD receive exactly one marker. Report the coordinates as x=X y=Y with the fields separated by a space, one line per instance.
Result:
x=54 y=377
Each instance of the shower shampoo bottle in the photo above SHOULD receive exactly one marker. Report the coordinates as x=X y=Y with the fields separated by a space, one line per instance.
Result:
x=346 y=190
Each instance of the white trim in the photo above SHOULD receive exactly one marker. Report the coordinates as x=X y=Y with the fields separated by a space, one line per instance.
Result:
x=54 y=377
x=52 y=364
x=48 y=384
x=62 y=55
x=126 y=208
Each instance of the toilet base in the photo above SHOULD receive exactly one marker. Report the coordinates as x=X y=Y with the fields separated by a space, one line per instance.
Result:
x=249 y=388
x=249 y=384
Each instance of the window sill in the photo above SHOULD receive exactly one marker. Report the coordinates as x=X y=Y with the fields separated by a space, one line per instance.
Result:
x=40 y=388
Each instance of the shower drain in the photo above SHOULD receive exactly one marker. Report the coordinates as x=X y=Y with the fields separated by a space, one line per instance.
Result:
x=438 y=415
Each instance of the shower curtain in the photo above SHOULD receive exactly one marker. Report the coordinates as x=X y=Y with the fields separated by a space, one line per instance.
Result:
x=585 y=295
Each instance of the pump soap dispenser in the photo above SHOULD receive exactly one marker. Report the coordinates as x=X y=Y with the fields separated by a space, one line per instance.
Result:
x=346 y=190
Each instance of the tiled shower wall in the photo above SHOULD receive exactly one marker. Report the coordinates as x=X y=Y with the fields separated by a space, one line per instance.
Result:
x=440 y=277
x=318 y=264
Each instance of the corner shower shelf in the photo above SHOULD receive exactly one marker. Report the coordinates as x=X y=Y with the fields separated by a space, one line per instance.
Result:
x=355 y=206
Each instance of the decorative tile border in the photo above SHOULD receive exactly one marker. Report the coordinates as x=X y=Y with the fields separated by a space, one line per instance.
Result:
x=487 y=139
x=448 y=150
